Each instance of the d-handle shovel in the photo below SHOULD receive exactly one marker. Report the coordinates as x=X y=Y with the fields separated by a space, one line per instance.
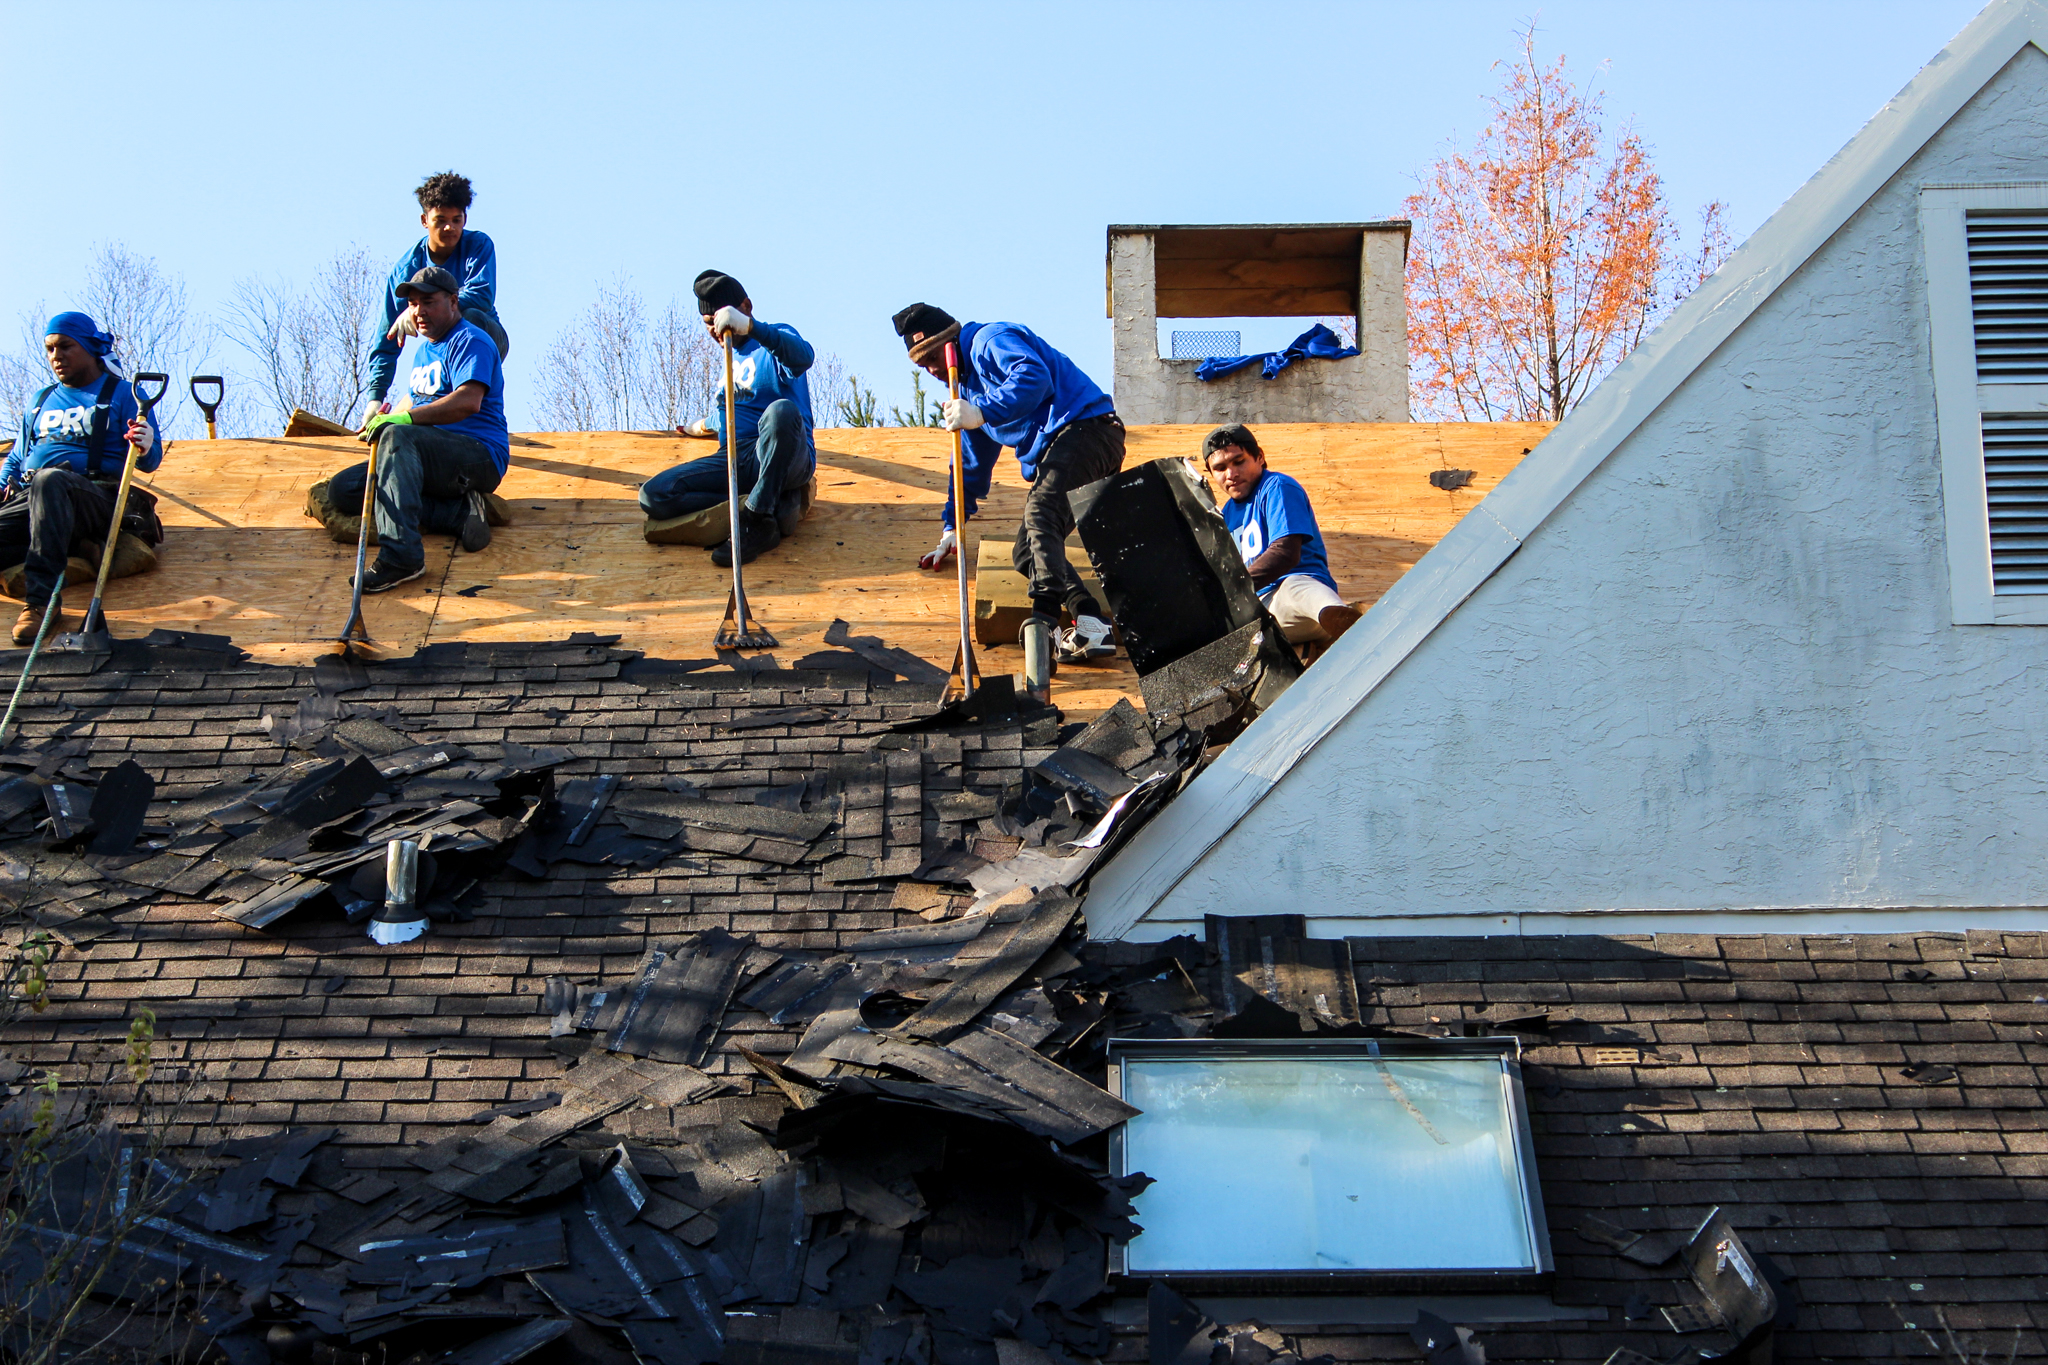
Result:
x=739 y=629
x=92 y=636
x=355 y=636
x=206 y=405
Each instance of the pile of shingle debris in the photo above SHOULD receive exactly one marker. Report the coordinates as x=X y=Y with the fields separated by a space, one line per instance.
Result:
x=932 y=1185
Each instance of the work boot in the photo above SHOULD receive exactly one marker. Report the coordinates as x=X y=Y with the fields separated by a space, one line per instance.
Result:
x=1090 y=637
x=789 y=512
x=30 y=622
x=476 y=524
x=1336 y=620
x=383 y=576
x=758 y=533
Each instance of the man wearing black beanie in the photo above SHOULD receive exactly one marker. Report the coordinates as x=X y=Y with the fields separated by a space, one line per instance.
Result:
x=1017 y=391
x=774 y=446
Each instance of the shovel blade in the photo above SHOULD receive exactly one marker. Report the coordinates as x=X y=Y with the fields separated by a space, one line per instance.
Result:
x=736 y=634
x=81 y=642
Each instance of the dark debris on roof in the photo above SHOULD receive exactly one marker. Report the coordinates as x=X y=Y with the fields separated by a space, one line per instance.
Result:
x=758 y=1024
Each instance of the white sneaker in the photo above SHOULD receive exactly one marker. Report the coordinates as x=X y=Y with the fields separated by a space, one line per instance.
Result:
x=1090 y=637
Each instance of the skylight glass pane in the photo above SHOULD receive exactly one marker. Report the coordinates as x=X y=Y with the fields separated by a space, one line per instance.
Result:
x=1325 y=1164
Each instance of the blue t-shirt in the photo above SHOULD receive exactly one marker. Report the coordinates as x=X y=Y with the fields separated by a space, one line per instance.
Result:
x=475 y=268
x=1278 y=507
x=59 y=431
x=441 y=367
x=768 y=364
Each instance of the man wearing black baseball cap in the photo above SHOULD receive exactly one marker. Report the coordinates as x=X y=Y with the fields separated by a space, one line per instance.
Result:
x=1017 y=391
x=436 y=460
x=772 y=411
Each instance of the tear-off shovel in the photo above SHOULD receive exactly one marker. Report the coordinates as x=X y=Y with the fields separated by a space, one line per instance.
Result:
x=739 y=629
x=965 y=676
x=92 y=637
x=209 y=407
x=355 y=636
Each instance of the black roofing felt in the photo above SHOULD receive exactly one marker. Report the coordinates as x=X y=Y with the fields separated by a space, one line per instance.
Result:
x=1866 y=1110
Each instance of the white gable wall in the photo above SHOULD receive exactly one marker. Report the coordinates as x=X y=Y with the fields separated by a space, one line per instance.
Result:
x=1721 y=677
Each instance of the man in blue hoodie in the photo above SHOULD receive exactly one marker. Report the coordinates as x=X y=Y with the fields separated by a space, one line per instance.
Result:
x=436 y=461
x=468 y=256
x=772 y=409
x=1017 y=391
x=57 y=485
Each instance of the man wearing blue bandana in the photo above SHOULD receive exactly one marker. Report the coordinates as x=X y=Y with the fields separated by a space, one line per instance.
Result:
x=436 y=461
x=58 y=483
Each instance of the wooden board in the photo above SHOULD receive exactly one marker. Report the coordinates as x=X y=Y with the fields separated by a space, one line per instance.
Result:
x=242 y=559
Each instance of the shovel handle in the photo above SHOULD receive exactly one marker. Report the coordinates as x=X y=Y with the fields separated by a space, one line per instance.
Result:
x=209 y=406
x=146 y=400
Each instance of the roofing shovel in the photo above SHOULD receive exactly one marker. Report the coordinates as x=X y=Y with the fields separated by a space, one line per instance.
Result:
x=209 y=406
x=355 y=636
x=965 y=677
x=739 y=629
x=91 y=637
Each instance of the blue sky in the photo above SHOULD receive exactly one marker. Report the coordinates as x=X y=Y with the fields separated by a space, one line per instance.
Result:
x=843 y=159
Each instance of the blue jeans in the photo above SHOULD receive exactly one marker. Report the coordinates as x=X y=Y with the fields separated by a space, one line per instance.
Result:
x=782 y=457
x=424 y=477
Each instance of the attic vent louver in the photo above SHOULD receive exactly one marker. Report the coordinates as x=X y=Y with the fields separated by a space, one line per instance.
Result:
x=2009 y=296
x=2016 y=495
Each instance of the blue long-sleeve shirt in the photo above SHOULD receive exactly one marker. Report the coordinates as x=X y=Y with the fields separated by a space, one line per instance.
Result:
x=59 y=432
x=475 y=268
x=768 y=364
x=1026 y=391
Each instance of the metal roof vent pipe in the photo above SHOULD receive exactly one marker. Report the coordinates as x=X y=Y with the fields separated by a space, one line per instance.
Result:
x=401 y=920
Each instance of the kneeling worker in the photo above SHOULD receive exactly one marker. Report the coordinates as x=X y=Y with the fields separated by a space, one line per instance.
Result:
x=51 y=490
x=772 y=408
x=435 y=462
x=1017 y=391
x=470 y=259
x=1275 y=530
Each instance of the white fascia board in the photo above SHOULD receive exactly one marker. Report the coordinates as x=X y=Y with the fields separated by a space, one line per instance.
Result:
x=1154 y=862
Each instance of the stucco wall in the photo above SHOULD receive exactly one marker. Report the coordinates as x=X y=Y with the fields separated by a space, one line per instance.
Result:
x=1370 y=387
x=1722 y=675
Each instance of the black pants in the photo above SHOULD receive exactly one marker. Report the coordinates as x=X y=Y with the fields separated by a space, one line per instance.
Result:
x=43 y=521
x=1079 y=453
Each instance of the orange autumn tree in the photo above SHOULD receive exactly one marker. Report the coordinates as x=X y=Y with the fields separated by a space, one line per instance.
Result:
x=1541 y=256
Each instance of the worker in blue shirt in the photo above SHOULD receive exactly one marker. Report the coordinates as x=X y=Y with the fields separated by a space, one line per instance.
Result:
x=1017 y=391
x=435 y=461
x=58 y=484
x=772 y=410
x=468 y=256
x=1269 y=517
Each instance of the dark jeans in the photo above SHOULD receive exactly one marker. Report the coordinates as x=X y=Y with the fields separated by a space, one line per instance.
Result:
x=1079 y=453
x=493 y=329
x=782 y=457
x=41 y=523
x=424 y=477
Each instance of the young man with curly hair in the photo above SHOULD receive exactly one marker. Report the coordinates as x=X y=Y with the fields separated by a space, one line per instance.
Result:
x=1275 y=529
x=468 y=256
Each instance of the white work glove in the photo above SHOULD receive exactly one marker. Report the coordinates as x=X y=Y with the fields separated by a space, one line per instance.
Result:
x=701 y=428
x=957 y=414
x=372 y=409
x=406 y=326
x=948 y=545
x=731 y=319
x=141 y=433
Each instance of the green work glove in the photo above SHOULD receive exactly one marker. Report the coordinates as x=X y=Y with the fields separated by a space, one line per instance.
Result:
x=383 y=419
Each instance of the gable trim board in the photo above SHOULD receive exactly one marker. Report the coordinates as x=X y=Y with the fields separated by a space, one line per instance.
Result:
x=1162 y=854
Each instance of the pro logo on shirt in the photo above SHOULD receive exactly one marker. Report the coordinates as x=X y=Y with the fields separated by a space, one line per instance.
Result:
x=743 y=373
x=426 y=379
x=65 y=421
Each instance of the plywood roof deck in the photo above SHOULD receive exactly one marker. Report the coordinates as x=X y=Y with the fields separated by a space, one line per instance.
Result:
x=242 y=559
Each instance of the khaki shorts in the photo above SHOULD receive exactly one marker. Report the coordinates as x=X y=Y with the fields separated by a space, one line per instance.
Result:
x=1298 y=604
